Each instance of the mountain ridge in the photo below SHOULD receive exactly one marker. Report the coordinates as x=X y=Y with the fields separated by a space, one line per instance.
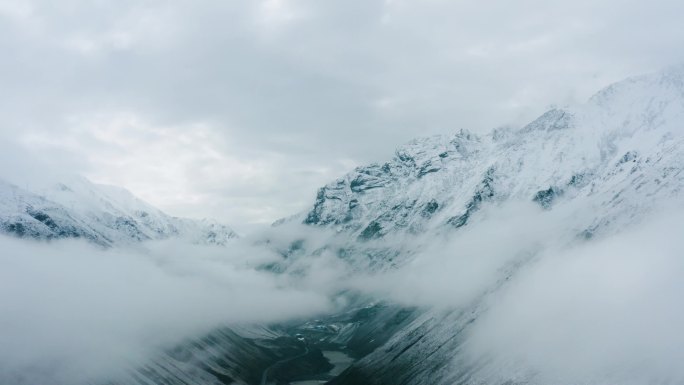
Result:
x=102 y=214
x=566 y=152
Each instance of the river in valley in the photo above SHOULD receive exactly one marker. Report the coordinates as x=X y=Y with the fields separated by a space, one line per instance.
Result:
x=340 y=360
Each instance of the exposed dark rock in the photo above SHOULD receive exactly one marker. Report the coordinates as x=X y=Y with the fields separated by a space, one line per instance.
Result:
x=429 y=208
x=42 y=217
x=485 y=192
x=630 y=156
x=372 y=231
x=546 y=198
x=314 y=216
x=16 y=228
x=427 y=168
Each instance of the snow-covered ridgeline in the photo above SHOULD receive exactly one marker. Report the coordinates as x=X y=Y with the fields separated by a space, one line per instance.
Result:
x=623 y=146
x=106 y=215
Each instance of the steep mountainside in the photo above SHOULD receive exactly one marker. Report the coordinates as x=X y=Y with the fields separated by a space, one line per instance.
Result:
x=621 y=147
x=105 y=215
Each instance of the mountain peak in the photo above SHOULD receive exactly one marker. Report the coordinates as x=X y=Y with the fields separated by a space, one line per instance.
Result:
x=106 y=215
x=661 y=87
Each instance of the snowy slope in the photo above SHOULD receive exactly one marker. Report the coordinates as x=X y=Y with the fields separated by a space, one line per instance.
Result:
x=622 y=146
x=225 y=356
x=106 y=215
x=25 y=214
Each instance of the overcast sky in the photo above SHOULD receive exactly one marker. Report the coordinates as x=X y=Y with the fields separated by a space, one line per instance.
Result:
x=240 y=110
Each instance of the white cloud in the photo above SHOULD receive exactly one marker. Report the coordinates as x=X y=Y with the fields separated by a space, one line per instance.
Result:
x=72 y=312
x=606 y=310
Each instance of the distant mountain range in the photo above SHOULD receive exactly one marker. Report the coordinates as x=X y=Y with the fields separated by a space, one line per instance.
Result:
x=105 y=215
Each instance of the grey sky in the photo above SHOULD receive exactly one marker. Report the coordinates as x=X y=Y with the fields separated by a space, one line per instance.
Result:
x=239 y=110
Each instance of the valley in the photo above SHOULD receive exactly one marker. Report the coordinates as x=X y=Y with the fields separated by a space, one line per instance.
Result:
x=454 y=261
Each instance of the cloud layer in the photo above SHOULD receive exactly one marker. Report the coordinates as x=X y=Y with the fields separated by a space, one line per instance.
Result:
x=601 y=312
x=72 y=312
x=571 y=311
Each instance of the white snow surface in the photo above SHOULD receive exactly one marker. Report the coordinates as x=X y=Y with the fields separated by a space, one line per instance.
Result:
x=620 y=154
x=106 y=215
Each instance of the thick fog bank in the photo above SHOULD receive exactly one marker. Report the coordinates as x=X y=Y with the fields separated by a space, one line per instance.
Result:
x=71 y=312
x=557 y=307
x=606 y=311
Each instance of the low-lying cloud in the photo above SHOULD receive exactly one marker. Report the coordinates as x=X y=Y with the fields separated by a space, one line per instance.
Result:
x=550 y=305
x=72 y=312
x=557 y=308
x=454 y=268
x=607 y=311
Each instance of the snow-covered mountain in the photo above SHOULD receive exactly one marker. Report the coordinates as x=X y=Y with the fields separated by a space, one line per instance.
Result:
x=106 y=215
x=619 y=153
x=606 y=164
